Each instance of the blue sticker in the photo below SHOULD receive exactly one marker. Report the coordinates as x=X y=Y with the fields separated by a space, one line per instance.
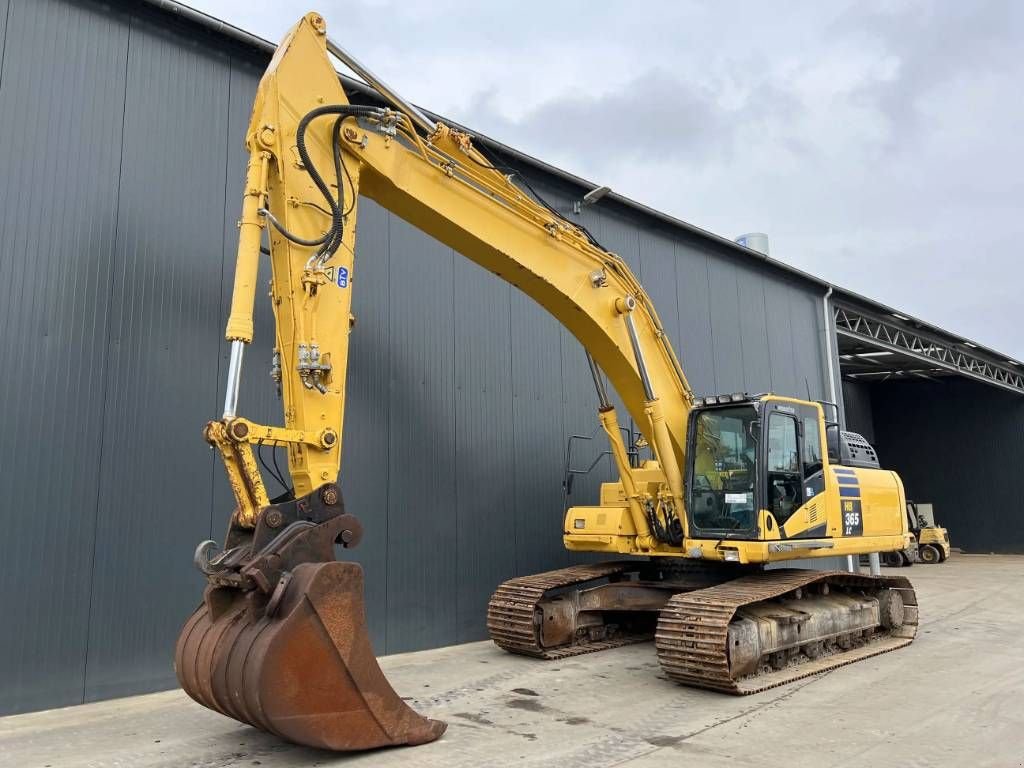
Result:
x=343 y=277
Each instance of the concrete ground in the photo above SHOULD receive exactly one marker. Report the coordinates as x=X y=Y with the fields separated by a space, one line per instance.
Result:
x=953 y=698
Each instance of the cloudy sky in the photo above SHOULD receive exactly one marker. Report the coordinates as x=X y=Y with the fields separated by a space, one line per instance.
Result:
x=879 y=144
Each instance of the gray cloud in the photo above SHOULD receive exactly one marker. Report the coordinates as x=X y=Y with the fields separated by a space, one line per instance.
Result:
x=652 y=118
x=878 y=143
x=936 y=46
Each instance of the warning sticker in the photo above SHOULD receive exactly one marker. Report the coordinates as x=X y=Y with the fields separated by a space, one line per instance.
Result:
x=337 y=275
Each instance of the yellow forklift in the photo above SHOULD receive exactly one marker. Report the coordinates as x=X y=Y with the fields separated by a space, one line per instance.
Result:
x=930 y=543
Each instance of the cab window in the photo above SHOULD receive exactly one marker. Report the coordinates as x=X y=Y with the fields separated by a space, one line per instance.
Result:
x=785 y=471
x=812 y=447
x=723 y=474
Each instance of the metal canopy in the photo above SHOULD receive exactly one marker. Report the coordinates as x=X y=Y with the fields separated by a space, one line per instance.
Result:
x=876 y=347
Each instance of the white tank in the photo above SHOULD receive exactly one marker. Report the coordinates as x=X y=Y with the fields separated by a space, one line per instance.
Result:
x=755 y=241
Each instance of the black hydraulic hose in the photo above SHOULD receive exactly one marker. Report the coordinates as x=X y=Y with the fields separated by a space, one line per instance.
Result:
x=338 y=221
x=506 y=168
x=332 y=240
x=334 y=235
x=292 y=236
x=339 y=168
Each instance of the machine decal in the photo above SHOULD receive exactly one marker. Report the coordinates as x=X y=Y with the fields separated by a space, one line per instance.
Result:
x=853 y=520
x=342 y=277
x=850 y=491
x=814 y=533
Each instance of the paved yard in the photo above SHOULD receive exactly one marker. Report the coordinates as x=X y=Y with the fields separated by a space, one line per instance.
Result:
x=955 y=697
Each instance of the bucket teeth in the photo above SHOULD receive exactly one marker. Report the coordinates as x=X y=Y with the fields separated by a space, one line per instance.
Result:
x=307 y=674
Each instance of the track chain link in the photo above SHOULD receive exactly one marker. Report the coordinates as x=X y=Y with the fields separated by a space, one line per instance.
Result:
x=692 y=634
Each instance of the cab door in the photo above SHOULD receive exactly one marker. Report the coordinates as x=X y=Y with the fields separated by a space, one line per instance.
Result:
x=794 y=470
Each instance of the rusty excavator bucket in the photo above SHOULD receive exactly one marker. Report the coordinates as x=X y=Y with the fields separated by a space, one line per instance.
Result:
x=280 y=641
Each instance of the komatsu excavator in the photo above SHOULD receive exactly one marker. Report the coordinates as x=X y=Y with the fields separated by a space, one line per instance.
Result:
x=734 y=483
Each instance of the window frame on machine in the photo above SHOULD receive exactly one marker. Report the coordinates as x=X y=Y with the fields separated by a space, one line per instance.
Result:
x=748 y=533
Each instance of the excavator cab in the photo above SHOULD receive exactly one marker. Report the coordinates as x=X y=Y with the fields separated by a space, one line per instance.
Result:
x=766 y=478
x=769 y=468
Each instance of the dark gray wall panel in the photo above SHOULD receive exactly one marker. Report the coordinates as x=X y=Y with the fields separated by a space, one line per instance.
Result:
x=365 y=475
x=726 y=333
x=539 y=436
x=958 y=445
x=422 y=553
x=484 y=450
x=805 y=316
x=754 y=341
x=621 y=236
x=658 y=260
x=779 y=325
x=857 y=404
x=695 y=338
x=61 y=102
x=166 y=298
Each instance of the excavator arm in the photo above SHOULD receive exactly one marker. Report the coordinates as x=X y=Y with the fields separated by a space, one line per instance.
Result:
x=303 y=131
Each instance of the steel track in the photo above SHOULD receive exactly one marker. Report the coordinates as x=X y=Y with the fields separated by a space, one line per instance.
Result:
x=692 y=631
x=513 y=607
x=692 y=634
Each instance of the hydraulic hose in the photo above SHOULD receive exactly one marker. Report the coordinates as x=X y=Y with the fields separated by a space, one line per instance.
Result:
x=332 y=239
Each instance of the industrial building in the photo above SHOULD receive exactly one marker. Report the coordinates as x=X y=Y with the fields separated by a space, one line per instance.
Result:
x=122 y=157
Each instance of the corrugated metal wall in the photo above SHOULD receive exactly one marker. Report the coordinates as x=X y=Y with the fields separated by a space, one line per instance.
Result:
x=859 y=415
x=122 y=169
x=957 y=444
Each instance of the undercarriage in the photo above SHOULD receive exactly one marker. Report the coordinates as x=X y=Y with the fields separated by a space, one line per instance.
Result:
x=737 y=629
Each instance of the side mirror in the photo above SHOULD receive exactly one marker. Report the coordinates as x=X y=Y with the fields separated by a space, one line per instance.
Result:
x=567 y=483
x=832 y=442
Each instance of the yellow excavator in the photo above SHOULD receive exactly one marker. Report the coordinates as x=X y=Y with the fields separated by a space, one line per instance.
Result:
x=734 y=483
